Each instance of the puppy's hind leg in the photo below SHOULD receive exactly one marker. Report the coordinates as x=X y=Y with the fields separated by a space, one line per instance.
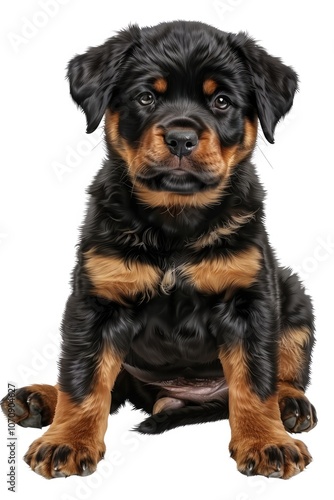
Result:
x=295 y=348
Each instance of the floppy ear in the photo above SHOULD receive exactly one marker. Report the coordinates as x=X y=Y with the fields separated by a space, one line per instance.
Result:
x=93 y=75
x=274 y=84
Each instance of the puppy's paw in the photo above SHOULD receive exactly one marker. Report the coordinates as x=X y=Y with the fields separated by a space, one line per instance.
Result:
x=282 y=459
x=297 y=414
x=31 y=406
x=59 y=457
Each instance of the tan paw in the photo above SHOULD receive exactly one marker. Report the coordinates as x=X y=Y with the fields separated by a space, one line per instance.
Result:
x=65 y=457
x=31 y=406
x=282 y=459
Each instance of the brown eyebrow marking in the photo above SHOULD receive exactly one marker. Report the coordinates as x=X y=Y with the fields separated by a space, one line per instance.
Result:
x=209 y=86
x=160 y=85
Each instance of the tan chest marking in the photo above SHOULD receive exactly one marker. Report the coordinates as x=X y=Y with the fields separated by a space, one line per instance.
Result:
x=218 y=274
x=116 y=280
x=231 y=227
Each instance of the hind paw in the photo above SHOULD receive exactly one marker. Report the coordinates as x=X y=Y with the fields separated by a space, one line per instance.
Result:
x=31 y=406
x=298 y=414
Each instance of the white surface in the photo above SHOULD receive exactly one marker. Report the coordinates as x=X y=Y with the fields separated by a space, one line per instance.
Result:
x=41 y=212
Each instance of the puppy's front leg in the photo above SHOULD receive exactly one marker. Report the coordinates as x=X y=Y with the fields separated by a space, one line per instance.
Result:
x=259 y=443
x=74 y=443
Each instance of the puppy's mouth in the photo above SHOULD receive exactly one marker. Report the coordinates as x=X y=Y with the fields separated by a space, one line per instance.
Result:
x=177 y=180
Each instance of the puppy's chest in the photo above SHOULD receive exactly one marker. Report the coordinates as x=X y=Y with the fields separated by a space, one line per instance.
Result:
x=174 y=299
x=175 y=328
x=121 y=280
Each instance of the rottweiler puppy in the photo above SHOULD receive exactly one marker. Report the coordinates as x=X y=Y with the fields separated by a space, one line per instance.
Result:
x=178 y=303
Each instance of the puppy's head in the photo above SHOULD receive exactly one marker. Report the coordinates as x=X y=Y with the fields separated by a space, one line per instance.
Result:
x=181 y=103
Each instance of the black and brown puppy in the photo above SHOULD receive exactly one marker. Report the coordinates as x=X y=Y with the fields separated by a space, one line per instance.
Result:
x=178 y=303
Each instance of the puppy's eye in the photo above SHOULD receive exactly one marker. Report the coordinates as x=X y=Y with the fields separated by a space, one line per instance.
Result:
x=145 y=99
x=222 y=102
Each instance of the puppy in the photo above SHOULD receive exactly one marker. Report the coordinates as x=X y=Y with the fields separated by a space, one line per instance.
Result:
x=178 y=304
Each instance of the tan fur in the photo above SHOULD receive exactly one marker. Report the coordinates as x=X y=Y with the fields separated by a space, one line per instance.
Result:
x=218 y=274
x=235 y=154
x=231 y=227
x=209 y=154
x=255 y=424
x=151 y=146
x=85 y=435
x=292 y=353
x=160 y=85
x=209 y=86
x=287 y=390
x=48 y=394
x=173 y=202
x=113 y=136
x=116 y=280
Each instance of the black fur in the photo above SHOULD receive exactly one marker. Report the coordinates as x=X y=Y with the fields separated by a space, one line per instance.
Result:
x=178 y=335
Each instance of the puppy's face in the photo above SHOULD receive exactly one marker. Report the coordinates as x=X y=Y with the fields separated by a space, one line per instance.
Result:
x=182 y=101
x=185 y=121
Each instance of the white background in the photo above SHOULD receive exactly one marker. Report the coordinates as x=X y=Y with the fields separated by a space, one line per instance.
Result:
x=42 y=209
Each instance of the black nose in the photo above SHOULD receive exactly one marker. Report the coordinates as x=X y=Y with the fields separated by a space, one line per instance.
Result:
x=181 y=142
